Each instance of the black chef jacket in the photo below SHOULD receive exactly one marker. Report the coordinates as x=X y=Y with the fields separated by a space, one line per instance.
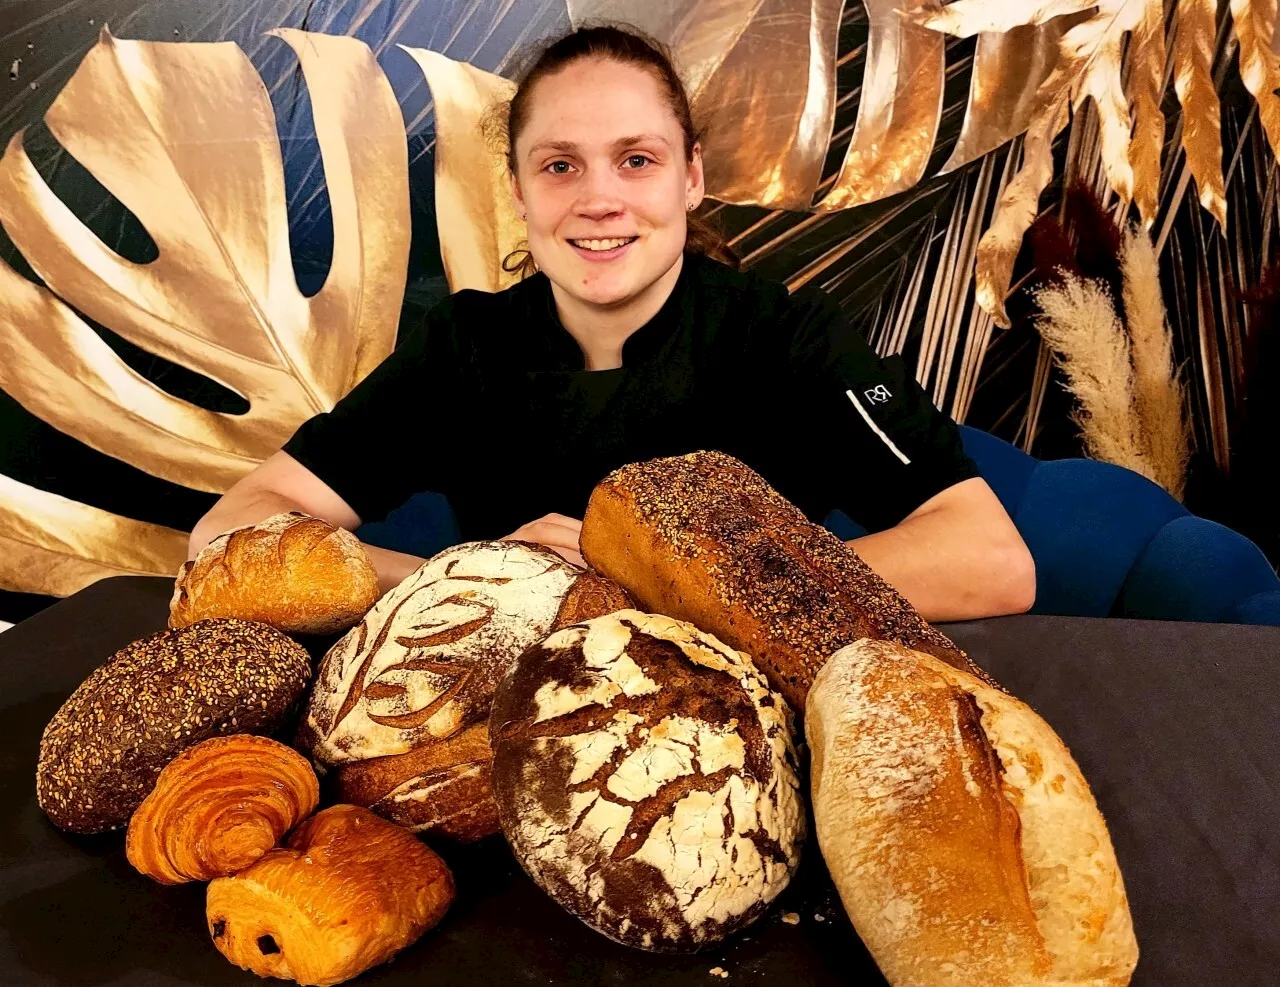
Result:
x=489 y=403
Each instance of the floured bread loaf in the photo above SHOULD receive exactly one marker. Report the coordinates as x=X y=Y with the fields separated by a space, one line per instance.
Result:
x=646 y=779
x=401 y=704
x=300 y=574
x=704 y=538
x=965 y=843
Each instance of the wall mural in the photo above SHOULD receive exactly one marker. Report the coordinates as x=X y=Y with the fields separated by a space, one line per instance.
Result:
x=218 y=218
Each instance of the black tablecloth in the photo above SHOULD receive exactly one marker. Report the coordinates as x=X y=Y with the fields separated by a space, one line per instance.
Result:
x=1175 y=726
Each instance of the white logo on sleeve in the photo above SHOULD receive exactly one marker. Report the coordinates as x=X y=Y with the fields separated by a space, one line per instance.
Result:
x=878 y=394
x=872 y=425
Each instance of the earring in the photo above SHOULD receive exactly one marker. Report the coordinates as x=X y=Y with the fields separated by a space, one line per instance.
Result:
x=689 y=206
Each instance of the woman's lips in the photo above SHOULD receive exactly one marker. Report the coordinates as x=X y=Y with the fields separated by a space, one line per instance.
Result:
x=602 y=255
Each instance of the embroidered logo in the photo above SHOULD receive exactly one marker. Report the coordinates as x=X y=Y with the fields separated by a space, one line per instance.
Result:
x=878 y=394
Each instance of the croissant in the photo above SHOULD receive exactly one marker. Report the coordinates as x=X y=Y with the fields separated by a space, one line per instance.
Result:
x=349 y=892
x=219 y=806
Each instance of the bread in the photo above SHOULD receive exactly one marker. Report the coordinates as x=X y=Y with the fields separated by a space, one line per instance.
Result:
x=704 y=538
x=218 y=807
x=349 y=892
x=646 y=778
x=401 y=702
x=103 y=750
x=297 y=573
x=964 y=842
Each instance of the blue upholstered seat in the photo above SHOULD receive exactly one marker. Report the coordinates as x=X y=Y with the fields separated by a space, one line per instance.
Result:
x=1106 y=541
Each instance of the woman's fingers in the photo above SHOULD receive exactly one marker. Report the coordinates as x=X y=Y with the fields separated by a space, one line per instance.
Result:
x=558 y=532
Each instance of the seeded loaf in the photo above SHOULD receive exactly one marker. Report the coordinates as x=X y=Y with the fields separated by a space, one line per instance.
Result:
x=964 y=842
x=704 y=538
x=103 y=750
x=298 y=573
x=646 y=778
x=401 y=704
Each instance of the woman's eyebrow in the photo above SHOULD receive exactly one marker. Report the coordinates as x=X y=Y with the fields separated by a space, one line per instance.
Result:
x=621 y=142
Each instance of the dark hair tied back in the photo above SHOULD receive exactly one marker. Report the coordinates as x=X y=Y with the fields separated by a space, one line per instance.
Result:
x=629 y=47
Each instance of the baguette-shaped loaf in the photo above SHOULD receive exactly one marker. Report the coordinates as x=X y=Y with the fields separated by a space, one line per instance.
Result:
x=299 y=574
x=964 y=842
x=704 y=538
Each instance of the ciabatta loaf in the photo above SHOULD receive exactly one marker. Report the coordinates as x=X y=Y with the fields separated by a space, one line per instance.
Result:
x=704 y=538
x=964 y=841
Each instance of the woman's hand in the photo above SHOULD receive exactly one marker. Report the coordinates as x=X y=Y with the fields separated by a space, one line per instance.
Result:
x=556 y=532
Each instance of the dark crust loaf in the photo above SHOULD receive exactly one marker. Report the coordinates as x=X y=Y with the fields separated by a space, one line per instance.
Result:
x=101 y=753
x=714 y=544
x=643 y=725
x=591 y=595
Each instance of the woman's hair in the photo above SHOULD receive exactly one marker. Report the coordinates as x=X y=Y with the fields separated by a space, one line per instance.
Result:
x=629 y=47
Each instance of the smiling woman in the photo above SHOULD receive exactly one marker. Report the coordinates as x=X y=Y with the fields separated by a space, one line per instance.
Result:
x=632 y=337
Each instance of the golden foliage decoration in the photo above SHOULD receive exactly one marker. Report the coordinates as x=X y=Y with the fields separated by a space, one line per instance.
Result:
x=1201 y=114
x=184 y=136
x=1146 y=85
x=1255 y=25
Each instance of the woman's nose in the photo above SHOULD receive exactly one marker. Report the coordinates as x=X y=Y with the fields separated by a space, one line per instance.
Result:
x=598 y=195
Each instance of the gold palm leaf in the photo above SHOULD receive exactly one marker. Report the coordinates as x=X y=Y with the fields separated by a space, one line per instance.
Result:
x=184 y=136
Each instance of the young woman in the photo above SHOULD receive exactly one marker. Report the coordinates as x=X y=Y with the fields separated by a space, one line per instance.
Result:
x=632 y=340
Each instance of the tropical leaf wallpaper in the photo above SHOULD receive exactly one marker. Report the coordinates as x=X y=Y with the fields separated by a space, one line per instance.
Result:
x=217 y=217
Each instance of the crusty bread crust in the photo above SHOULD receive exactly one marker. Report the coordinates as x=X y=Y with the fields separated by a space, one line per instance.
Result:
x=961 y=835
x=300 y=574
x=703 y=538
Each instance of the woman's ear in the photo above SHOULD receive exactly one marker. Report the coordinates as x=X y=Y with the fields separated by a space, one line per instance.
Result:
x=694 y=186
x=515 y=193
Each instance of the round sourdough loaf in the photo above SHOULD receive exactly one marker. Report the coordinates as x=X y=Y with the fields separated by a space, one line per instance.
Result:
x=103 y=750
x=298 y=573
x=401 y=704
x=646 y=778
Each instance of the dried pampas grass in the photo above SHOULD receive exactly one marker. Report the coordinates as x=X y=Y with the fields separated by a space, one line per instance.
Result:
x=1130 y=400
x=1078 y=321
x=1159 y=394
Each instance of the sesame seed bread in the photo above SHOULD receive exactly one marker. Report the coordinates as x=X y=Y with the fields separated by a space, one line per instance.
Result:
x=299 y=574
x=704 y=538
x=401 y=703
x=646 y=778
x=964 y=842
x=103 y=750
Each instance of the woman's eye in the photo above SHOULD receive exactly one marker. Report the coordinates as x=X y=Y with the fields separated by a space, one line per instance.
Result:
x=558 y=167
x=637 y=161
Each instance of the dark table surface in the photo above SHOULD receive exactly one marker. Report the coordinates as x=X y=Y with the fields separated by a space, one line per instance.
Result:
x=1176 y=726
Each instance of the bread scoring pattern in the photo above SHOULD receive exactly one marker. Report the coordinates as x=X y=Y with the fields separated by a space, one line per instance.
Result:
x=646 y=777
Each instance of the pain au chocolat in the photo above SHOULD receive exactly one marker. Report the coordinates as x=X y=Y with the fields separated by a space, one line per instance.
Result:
x=401 y=704
x=704 y=538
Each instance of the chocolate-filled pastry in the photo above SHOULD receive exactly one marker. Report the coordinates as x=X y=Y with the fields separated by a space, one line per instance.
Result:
x=401 y=704
x=298 y=573
x=103 y=750
x=963 y=840
x=218 y=807
x=704 y=538
x=646 y=779
x=348 y=892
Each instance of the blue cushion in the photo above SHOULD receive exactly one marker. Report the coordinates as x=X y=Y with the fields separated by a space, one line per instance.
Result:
x=1195 y=569
x=424 y=525
x=1005 y=467
x=844 y=527
x=1261 y=608
x=1085 y=522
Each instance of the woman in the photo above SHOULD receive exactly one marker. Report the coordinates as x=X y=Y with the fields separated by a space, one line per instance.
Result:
x=631 y=341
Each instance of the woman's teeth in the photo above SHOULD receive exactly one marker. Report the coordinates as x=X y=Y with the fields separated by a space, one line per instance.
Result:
x=602 y=244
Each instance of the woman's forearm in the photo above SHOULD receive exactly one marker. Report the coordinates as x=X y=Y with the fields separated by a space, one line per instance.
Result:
x=392 y=567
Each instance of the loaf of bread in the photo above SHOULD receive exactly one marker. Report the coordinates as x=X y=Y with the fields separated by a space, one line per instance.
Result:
x=218 y=807
x=646 y=778
x=103 y=750
x=964 y=842
x=299 y=574
x=348 y=892
x=401 y=703
x=704 y=538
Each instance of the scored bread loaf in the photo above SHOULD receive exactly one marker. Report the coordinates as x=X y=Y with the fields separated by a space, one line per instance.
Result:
x=300 y=574
x=401 y=704
x=964 y=842
x=704 y=538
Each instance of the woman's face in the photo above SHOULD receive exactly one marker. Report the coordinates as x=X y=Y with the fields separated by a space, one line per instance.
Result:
x=603 y=182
